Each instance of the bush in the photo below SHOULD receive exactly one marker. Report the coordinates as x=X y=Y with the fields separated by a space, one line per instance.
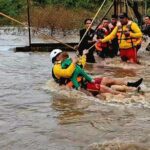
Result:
x=55 y=17
x=12 y=8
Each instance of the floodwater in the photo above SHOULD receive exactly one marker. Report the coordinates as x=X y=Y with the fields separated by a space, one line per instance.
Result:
x=32 y=118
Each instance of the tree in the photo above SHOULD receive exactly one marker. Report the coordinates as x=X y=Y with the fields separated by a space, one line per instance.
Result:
x=12 y=7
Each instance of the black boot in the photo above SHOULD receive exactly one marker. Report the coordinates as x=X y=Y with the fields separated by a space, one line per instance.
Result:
x=135 y=84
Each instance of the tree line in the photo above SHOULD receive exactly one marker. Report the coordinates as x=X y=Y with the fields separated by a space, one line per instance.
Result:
x=56 y=14
x=17 y=7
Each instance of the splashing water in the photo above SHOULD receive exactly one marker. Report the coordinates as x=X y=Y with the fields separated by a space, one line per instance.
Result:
x=59 y=118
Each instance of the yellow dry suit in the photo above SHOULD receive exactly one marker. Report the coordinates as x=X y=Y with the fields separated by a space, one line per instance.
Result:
x=133 y=40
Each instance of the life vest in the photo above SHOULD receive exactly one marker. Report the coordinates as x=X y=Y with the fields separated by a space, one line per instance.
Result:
x=65 y=81
x=121 y=35
x=61 y=81
x=105 y=30
x=99 y=46
x=70 y=83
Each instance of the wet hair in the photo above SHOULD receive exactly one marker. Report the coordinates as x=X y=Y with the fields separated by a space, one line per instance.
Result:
x=88 y=19
x=104 y=19
x=123 y=15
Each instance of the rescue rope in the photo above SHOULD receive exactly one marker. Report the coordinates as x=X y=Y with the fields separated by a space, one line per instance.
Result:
x=104 y=15
x=92 y=22
x=100 y=23
x=91 y=47
x=2 y=14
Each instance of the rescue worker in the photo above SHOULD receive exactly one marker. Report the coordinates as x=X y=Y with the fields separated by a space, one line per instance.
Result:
x=87 y=41
x=95 y=86
x=146 y=26
x=101 y=32
x=78 y=73
x=114 y=19
x=146 y=29
x=114 y=43
x=129 y=38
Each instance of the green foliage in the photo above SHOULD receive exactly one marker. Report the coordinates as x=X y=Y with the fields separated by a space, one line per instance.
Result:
x=41 y=2
x=87 y=4
x=148 y=3
x=148 y=6
x=148 y=11
x=12 y=7
x=17 y=8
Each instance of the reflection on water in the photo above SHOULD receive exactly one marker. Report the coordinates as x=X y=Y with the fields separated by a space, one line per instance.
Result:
x=34 y=118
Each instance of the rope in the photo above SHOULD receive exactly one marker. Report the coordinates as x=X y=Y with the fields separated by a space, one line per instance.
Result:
x=104 y=15
x=100 y=23
x=51 y=37
x=2 y=14
x=92 y=22
x=91 y=47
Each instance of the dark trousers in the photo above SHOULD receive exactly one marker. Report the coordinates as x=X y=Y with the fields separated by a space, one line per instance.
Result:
x=104 y=53
x=90 y=56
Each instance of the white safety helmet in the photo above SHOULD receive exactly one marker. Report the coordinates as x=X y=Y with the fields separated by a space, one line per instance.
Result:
x=54 y=53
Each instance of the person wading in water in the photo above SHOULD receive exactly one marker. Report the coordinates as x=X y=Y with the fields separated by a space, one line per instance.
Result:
x=129 y=38
x=87 y=41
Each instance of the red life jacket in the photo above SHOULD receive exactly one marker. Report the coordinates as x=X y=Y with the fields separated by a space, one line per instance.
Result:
x=99 y=46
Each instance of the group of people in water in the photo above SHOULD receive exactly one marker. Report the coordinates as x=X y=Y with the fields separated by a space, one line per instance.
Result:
x=123 y=36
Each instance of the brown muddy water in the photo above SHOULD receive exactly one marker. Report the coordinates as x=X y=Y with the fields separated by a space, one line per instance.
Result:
x=33 y=117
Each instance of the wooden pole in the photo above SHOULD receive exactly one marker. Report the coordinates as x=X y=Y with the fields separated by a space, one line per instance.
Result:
x=92 y=22
x=145 y=7
x=115 y=7
x=29 y=23
x=104 y=15
x=50 y=37
x=120 y=6
x=126 y=7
